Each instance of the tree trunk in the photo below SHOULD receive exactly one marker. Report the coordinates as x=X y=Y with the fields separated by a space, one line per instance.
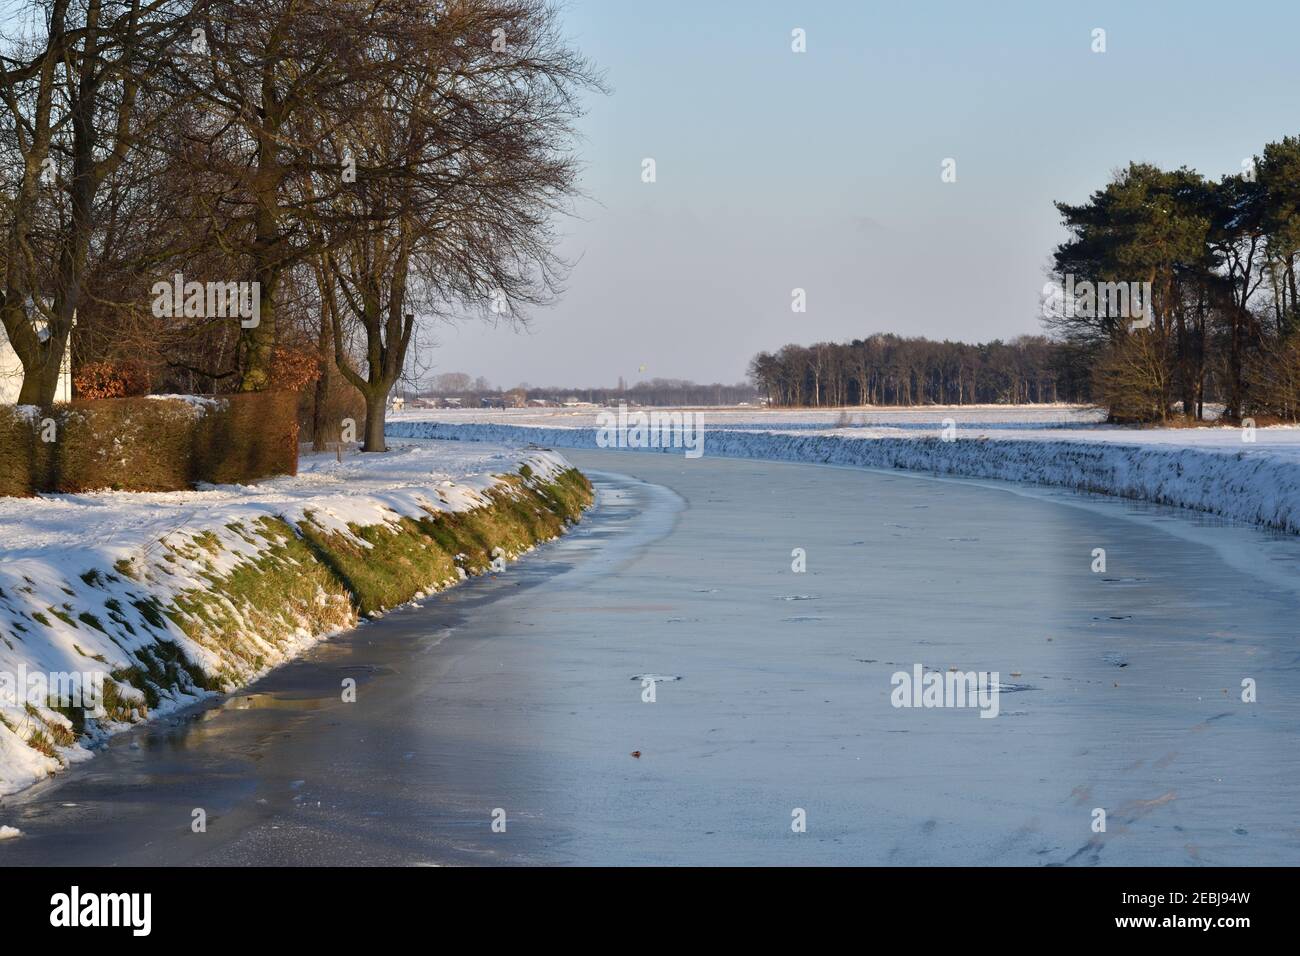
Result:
x=1235 y=397
x=41 y=376
x=259 y=340
x=320 y=428
x=1288 y=320
x=376 y=407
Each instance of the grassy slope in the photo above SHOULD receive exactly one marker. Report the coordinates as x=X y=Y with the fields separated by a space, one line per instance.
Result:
x=238 y=615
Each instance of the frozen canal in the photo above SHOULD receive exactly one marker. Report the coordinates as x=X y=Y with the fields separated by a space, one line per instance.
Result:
x=1123 y=691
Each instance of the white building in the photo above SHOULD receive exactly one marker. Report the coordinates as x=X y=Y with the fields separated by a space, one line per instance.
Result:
x=11 y=373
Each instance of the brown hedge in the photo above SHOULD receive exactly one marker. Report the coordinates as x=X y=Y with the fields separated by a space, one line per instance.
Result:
x=24 y=458
x=148 y=444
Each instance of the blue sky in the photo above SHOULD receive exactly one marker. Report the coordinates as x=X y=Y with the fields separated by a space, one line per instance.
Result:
x=821 y=170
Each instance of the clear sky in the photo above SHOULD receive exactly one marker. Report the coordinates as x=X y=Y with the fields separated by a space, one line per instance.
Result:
x=821 y=170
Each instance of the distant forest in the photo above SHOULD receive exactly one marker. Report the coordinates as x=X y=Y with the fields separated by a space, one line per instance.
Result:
x=660 y=391
x=887 y=369
x=655 y=391
x=1210 y=266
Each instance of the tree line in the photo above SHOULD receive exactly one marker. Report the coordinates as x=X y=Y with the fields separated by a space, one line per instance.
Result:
x=887 y=369
x=355 y=166
x=473 y=392
x=1222 y=324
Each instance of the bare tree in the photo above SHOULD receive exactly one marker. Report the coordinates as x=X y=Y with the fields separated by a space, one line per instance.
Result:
x=267 y=78
x=1134 y=380
x=460 y=133
x=69 y=89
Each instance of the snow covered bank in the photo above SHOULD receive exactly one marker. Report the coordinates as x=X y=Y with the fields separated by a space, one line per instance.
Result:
x=1210 y=470
x=168 y=596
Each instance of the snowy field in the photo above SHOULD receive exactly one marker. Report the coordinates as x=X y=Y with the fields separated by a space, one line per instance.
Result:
x=732 y=416
x=1242 y=474
x=1038 y=422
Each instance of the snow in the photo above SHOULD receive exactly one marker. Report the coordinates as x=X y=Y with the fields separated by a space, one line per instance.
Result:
x=200 y=404
x=361 y=488
x=1220 y=470
x=60 y=557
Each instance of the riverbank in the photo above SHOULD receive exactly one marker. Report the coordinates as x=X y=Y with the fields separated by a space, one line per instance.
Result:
x=144 y=603
x=1244 y=475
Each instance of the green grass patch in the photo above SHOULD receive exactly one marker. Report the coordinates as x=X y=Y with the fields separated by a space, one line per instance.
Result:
x=400 y=560
x=63 y=615
x=151 y=611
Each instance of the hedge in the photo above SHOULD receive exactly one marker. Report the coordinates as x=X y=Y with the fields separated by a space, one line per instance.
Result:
x=147 y=444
